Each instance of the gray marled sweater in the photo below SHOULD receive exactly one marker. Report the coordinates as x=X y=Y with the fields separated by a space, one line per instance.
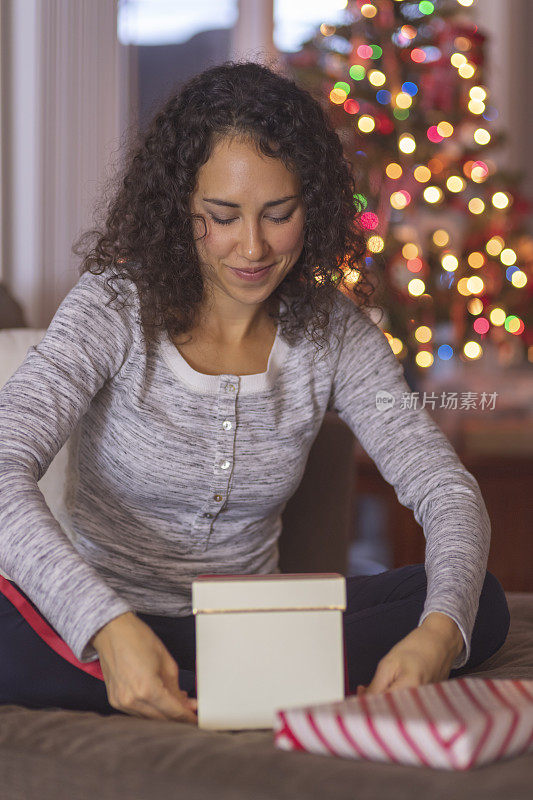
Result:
x=173 y=473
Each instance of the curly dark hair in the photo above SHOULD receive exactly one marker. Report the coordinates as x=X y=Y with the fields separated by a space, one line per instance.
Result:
x=147 y=232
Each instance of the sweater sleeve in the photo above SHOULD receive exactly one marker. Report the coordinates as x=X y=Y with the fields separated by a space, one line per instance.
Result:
x=371 y=395
x=85 y=345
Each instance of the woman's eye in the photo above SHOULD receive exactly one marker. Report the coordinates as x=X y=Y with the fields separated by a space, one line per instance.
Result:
x=272 y=219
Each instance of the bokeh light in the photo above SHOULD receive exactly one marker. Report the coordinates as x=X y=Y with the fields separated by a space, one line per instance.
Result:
x=393 y=170
x=441 y=237
x=406 y=143
x=432 y=194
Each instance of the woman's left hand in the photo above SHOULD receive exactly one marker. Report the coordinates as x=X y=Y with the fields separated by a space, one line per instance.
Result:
x=425 y=655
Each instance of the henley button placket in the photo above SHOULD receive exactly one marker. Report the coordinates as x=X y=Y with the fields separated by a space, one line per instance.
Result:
x=222 y=468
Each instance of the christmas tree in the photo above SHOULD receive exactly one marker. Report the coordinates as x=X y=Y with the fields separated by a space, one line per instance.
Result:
x=448 y=248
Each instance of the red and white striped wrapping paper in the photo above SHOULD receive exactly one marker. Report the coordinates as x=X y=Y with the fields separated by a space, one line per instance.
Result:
x=456 y=724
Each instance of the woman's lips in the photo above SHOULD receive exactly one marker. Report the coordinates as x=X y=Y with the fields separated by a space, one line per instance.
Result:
x=252 y=276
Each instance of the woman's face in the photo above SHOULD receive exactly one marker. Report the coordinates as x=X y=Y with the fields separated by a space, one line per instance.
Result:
x=254 y=217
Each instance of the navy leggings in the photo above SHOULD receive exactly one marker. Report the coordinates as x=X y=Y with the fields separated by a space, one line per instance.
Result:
x=381 y=609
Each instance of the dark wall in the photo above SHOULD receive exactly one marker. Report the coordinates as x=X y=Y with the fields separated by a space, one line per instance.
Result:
x=164 y=68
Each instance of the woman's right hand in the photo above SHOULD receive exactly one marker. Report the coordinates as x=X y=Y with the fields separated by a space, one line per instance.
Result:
x=141 y=676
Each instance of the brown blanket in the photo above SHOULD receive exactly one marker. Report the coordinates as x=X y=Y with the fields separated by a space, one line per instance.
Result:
x=74 y=755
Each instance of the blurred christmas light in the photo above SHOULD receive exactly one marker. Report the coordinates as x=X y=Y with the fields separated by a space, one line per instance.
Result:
x=406 y=143
x=360 y=201
x=408 y=32
x=476 y=205
x=481 y=325
x=357 y=72
x=418 y=56
x=472 y=350
x=519 y=279
x=475 y=306
x=396 y=345
x=497 y=316
x=366 y=124
x=500 y=200
x=403 y=100
x=476 y=260
x=375 y=244
x=422 y=174
x=478 y=93
x=441 y=237
x=476 y=107
x=432 y=194
x=466 y=71
x=462 y=43
x=383 y=97
x=445 y=129
x=495 y=245
x=474 y=284
x=491 y=114
x=435 y=165
x=410 y=250
x=415 y=264
x=513 y=324
x=445 y=352
x=433 y=135
x=416 y=287
x=393 y=170
x=423 y=334
x=458 y=59
x=369 y=220
x=368 y=10
x=364 y=51
x=351 y=106
x=398 y=200
x=337 y=96
x=401 y=113
x=376 y=78
x=345 y=87
x=479 y=171
x=508 y=256
x=455 y=183
x=424 y=358
x=410 y=88
x=449 y=262
x=481 y=136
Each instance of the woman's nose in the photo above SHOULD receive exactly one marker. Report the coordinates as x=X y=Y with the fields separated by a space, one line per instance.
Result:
x=253 y=245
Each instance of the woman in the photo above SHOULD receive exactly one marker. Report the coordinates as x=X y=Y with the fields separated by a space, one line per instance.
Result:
x=191 y=410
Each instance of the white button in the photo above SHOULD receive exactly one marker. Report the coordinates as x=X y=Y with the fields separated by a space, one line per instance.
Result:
x=226 y=424
x=224 y=465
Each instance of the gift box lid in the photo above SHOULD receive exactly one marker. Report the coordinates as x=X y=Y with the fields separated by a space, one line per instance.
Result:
x=276 y=592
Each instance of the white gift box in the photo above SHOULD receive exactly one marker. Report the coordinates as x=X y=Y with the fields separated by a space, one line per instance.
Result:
x=264 y=642
x=455 y=724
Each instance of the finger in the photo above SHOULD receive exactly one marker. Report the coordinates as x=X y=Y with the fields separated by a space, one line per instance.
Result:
x=405 y=682
x=175 y=706
x=384 y=677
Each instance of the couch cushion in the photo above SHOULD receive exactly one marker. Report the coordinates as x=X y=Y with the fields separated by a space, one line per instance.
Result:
x=74 y=755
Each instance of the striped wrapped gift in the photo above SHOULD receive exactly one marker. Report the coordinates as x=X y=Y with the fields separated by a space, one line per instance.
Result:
x=455 y=724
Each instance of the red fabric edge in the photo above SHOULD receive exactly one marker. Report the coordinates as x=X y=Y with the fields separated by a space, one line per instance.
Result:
x=45 y=631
